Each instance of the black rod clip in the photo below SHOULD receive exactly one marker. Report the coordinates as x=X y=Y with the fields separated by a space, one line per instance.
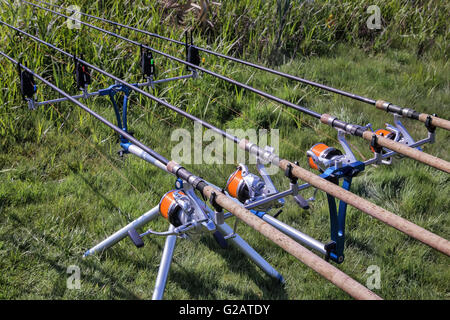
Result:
x=219 y=217
x=374 y=144
x=213 y=202
x=429 y=125
x=288 y=173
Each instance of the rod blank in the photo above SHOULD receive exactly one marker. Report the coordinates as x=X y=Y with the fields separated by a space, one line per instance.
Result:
x=437 y=122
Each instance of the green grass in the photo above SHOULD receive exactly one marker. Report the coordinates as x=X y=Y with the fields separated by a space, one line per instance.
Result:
x=63 y=188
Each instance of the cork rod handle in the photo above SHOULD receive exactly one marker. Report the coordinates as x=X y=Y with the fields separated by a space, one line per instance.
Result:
x=412 y=153
x=370 y=208
x=325 y=269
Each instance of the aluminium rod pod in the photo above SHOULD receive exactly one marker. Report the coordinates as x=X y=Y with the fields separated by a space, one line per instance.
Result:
x=328 y=271
x=168 y=105
x=398 y=147
x=352 y=199
x=325 y=269
x=319 y=265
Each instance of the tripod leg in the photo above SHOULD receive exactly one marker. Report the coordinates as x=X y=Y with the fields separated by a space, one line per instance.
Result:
x=122 y=233
x=250 y=252
x=164 y=267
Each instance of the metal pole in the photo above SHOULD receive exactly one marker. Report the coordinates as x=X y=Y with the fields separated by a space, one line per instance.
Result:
x=138 y=152
x=295 y=234
x=164 y=268
x=240 y=243
x=122 y=233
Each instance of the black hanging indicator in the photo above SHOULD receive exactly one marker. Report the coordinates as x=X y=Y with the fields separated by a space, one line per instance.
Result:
x=192 y=53
x=81 y=74
x=27 y=85
x=147 y=63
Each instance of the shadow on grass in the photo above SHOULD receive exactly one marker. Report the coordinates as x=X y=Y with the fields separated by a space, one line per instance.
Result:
x=59 y=288
x=109 y=203
x=270 y=287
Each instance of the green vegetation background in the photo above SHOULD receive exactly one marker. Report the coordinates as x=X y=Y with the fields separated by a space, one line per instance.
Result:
x=63 y=188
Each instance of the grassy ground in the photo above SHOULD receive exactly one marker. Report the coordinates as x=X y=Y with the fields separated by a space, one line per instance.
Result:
x=63 y=188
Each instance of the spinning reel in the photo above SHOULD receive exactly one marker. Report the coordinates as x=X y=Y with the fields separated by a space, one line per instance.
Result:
x=321 y=156
x=183 y=209
x=258 y=193
x=248 y=188
x=184 y=213
x=397 y=133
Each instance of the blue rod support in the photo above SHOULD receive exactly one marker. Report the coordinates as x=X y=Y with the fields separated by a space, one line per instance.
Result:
x=338 y=214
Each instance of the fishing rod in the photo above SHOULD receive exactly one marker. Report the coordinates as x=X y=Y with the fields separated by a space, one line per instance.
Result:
x=292 y=170
x=379 y=104
x=377 y=140
x=218 y=198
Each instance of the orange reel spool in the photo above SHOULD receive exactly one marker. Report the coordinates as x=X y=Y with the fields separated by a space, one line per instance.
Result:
x=384 y=133
x=317 y=149
x=323 y=154
x=169 y=208
x=236 y=186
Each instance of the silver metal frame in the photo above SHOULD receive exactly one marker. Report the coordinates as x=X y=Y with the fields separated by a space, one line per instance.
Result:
x=32 y=104
x=171 y=236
